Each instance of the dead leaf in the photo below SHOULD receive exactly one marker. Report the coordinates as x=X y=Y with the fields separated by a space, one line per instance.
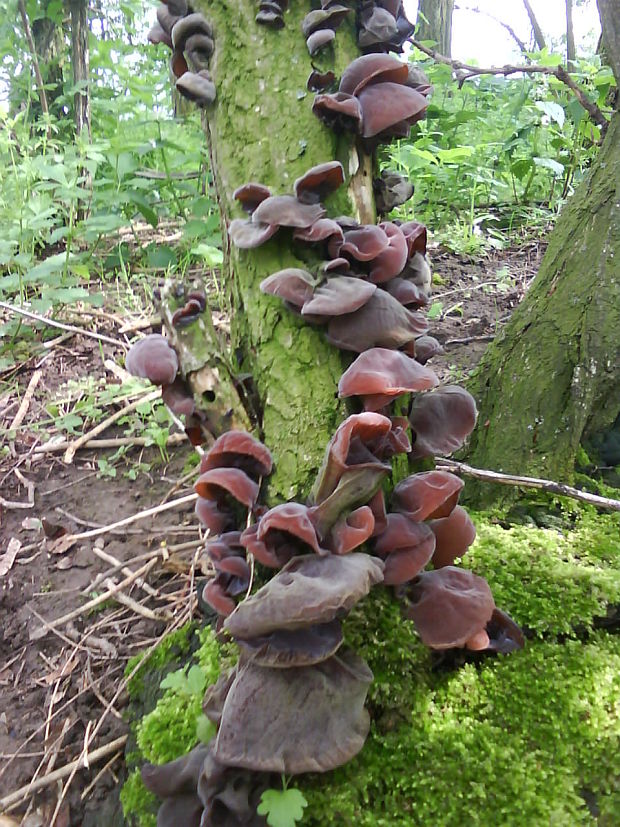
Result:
x=61 y=545
x=64 y=563
x=8 y=558
x=66 y=669
x=52 y=530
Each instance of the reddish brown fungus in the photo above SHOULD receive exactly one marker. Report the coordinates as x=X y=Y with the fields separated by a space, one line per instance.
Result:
x=380 y=374
x=152 y=358
x=454 y=534
x=442 y=420
x=428 y=495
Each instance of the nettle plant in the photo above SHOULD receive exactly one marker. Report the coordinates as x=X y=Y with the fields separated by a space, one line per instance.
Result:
x=294 y=703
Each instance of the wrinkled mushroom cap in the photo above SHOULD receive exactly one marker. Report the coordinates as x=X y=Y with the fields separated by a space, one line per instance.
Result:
x=381 y=374
x=428 y=495
x=442 y=420
x=319 y=182
x=238 y=449
x=152 y=358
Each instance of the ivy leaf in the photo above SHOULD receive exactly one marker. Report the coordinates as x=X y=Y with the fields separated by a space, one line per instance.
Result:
x=282 y=807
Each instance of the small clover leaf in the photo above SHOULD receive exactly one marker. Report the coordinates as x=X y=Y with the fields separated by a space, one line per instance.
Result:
x=282 y=807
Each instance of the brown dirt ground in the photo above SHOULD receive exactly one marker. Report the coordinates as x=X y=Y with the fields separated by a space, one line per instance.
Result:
x=55 y=690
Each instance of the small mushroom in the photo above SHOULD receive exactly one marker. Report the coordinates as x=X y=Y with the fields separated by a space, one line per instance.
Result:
x=286 y=211
x=238 y=449
x=454 y=534
x=293 y=285
x=197 y=87
x=319 y=81
x=248 y=234
x=251 y=195
x=505 y=635
x=325 y=18
x=377 y=28
x=319 y=39
x=386 y=105
x=442 y=420
x=391 y=190
x=296 y=647
x=406 y=548
x=351 y=530
x=426 y=347
x=428 y=495
x=337 y=296
x=152 y=358
x=217 y=483
x=189 y=25
x=369 y=69
x=319 y=182
x=340 y=112
x=285 y=531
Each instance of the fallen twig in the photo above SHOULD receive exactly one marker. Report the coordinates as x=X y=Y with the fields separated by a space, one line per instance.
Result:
x=69 y=327
x=78 y=443
x=117 y=442
x=528 y=482
x=109 y=558
x=25 y=404
x=62 y=772
x=485 y=337
x=132 y=604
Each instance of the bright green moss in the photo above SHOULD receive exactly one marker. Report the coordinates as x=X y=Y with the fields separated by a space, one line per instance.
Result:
x=139 y=805
x=172 y=647
x=512 y=743
x=551 y=582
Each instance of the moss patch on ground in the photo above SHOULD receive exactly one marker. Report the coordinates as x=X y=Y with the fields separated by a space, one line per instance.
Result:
x=526 y=739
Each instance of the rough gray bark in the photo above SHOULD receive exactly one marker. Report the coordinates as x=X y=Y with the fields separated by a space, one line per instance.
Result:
x=609 y=12
x=539 y=37
x=80 y=64
x=435 y=23
x=570 y=37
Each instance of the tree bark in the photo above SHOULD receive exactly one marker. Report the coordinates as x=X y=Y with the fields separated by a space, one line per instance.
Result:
x=539 y=37
x=570 y=37
x=80 y=64
x=35 y=59
x=261 y=128
x=609 y=12
x=435 y=23
x=551 y=381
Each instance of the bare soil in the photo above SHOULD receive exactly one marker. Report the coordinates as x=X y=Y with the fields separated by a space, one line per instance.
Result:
x=57 y=689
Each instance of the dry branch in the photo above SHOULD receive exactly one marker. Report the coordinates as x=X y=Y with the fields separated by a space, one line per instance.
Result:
x=68 y=327
x=25 y=404
x=528 y=482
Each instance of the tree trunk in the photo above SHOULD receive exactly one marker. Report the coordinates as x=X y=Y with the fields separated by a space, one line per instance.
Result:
x=539 y=37
x=551 y=381
x=49 y=42
x=570 y=37
x=435 y=23
x=609 y=12
x=80 y=64
x=261 y=128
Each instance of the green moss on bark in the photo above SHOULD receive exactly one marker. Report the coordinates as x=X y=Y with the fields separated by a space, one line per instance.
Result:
x=552 y=378
x=261 y=128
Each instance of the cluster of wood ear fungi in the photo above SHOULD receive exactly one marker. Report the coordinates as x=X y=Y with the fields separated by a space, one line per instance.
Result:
x=190 y=36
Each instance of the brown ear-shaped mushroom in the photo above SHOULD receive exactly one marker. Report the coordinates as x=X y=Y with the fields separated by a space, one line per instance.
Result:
x=337 y=296
x=293 y=285
x=198 y=49
x=377 y=27
x=385 y=105
x=391 y=261
x=379 y=375
x=157 y=34
x=428 y=495
x=328 y=728
x=454 y=534
x=370 y=69
x=186 y=26
x=505 y=635
x=176 y=782
x=340 y=112
x=326 y=18
x=308 y=590
x=270 y=14
x=409 y=295
x=211 y=516
x=449 y=606
x=250 y=195
x=247 y=234
x=426 y=347
x=442 y=420
x=152 y=358
x=343 y=450
x=283 y=532
x=381 y=322
x=286 y=211
x=197 y=87
x=214 y=593
x=319 y=39
x=238 y=449
x=406 y=547
x=391 y=190
x=216 y=483
x=416 y=236
x=178 y=397
x=364 y=243
x=351 y=530
x=320 y=81
x=319 y=231
x=296 y=647
x=319 y=182
x=418 y=271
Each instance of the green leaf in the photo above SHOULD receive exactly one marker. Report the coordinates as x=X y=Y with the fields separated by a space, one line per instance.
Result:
x=205 y=729
x=196 y=680
x=160 y=256
x=282 y=807
x=175 y=680
x=552 y=110
x=212 y=256
x=549 y=163
x=434 y=311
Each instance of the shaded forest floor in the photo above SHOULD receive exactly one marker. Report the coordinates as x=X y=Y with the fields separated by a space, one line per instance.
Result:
x=62 y=691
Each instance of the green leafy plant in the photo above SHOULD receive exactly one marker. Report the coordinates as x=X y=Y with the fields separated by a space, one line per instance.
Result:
x=283 y=808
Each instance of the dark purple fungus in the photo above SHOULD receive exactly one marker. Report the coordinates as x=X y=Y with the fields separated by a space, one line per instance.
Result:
x=308 y=590
x=270 y=14
x=449 y=607
x=317 y=81
x=238 y=449
x=195 y=305
x=454 y=534
x=381 y=322
x=418 y=272
x=385 y=105
x=166 y=20
x=157 y=34
x=351 y=530
x=178 y=397
x=211 y=516
x=428 y=495
x=391 y=190
x=215 y=695
x=152 y=358
x=178 y=64
x=380 y=374
x=347 y=449
x=416 y=236
x=319 y=182
x=325 y=18
x=319 y=231
x=293 y=285
x=282 y=533
x=391 y=261
x=426 y=347
x=232 y=579
x=296 y=647
x=319 y=39
x=406 y=548
x=215 y=594
x=364 y=243
x=189 y=25
x=198 y=50
x=218 y=483
x=417 y=79
x=377 y=28
x=286 y=211
x=230 y=795
x=176 y=782
x=505 y=635
x=337 y=296
x=442 y=420
x=247 y=234
x=374 y=68
x=250 y=195
x=377 y=506
x=409 y=295
x=340 y=112
x=328 y=728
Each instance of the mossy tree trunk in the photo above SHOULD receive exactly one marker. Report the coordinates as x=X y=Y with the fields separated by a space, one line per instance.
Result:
x=261 y=128
x=551 y=381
